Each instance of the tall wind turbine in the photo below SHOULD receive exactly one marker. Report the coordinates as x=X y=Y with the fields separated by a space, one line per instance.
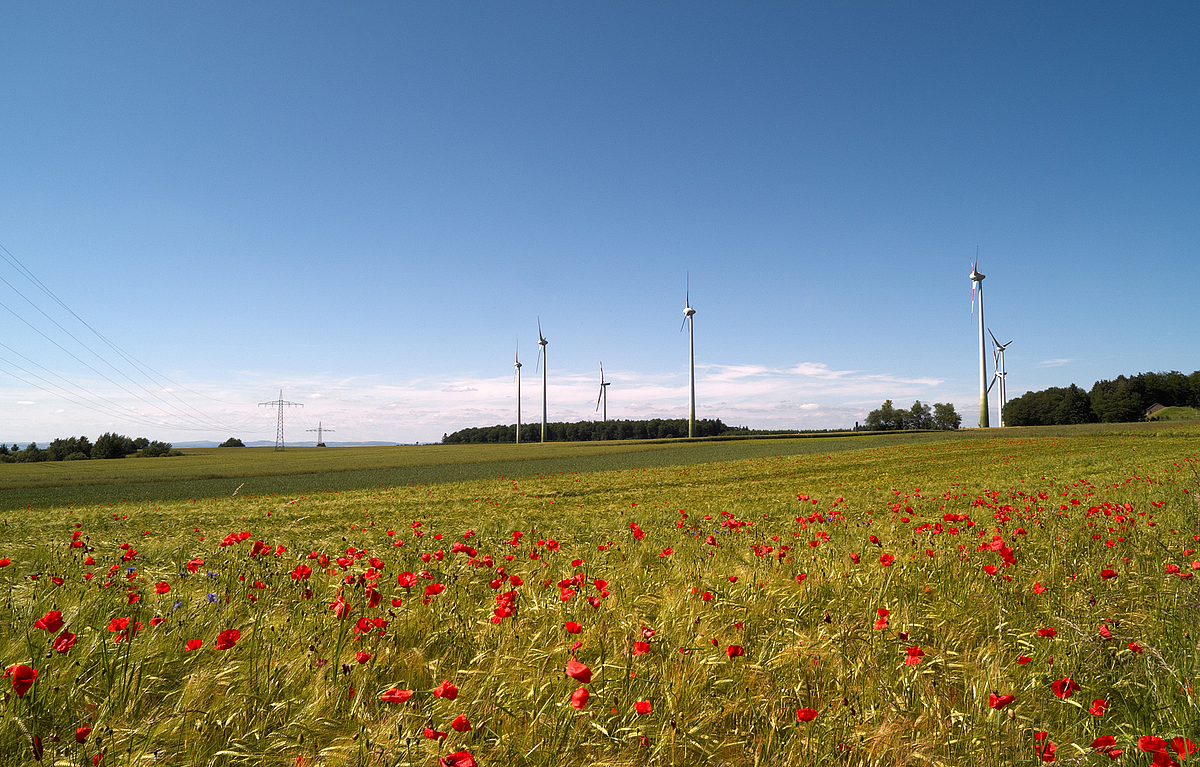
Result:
x=688 y=311
x=542 y=361
x=517 y=374
x=1001 y=373
x=603 y=395
x=977 y=283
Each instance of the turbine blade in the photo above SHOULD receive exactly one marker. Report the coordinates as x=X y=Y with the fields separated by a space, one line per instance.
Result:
x=684 y=325
x=993 y=335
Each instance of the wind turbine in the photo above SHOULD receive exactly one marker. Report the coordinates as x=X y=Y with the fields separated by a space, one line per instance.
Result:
x=1001 y=373
x=603 y=395
x=688 y=311
x=542 y=361
x=517 y=375
x=977 y=283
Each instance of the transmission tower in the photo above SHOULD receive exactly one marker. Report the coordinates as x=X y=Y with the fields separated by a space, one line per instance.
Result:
x=279 y=425
x=319 y=430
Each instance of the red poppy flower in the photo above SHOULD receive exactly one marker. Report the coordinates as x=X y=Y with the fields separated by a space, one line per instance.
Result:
x=1104 y=631
x=433 y=734
x=1065 y=687
x=572 y=627
x=1000 y=701
x=734 y=651
x=82 y=733
x=395 y=695
x=1150 y=743
x=1023 y=659
x=118 y=624
x=1038 y=588
x=642 y=707
x=457 y=759
x=162 y=587
x=1183 y=747
x=433 y=589
x=22 y=678
x=914 y=656
x=193 y=644
x=806 y=714
x=887 y=560
x=63 y=642
x=1107 y=573
x=578 y=671
x=1104 y=743
x=362 y=657
x=228 y=638
x=641 y=648
x=461 y=723
x=707 y=596
x=445 y=690
x=1046 y=632
x=579 y=698
x=1136 y=647
x=51 y=621
x=854 y=557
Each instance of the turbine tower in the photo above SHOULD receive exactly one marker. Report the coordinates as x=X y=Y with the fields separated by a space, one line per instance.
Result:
x=542 y=361
x=1001 y=373
x=977 y=283
x=603 y=395
x=517 y=375
x=688 y=311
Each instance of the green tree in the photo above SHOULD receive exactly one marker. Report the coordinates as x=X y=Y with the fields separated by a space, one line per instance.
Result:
x=945 y=417
x=232 y=442
x=919 y=417
x=1075 y=406
x=885 y=418
x=1118 y=401
x=109 y=445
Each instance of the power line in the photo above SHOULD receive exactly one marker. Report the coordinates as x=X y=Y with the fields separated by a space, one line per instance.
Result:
x=279 y=424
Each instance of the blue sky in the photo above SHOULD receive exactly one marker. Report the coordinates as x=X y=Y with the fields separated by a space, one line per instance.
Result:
x=368 y=204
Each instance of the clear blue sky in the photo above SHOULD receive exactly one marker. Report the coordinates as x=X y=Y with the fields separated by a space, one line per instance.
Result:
x=367 y=204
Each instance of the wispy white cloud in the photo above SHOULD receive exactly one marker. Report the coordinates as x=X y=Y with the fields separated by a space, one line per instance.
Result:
x=1054 y=363
x=802 y=395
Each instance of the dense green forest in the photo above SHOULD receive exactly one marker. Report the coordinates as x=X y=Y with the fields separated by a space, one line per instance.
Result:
x=107 y=445
x=586 y=431
x=1121 y=400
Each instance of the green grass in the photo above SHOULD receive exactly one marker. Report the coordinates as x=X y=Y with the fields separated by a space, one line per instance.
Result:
x=1177 y=414
x=219 y=472
x=283 y=693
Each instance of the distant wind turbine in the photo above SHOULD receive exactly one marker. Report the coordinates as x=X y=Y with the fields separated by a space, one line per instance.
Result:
x=1001 y=373
x=688 y=312
x=977 y=284
x=542 y=361
x=603 y=392
x=517 y=375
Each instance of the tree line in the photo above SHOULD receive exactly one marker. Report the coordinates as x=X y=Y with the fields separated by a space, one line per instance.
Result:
x=587 y=431
x=888 y=417
x=107 y=445
x=1121 y=400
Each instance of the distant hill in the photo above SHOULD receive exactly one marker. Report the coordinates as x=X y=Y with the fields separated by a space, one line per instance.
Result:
x=1176 y=414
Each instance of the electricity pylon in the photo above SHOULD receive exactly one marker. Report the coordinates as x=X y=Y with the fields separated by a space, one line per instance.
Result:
x=318 y=430
x=279 y=424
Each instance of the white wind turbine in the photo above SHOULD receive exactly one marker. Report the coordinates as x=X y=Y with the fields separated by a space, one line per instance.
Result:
x=517 y=375
x=688 y=312
x=977 y=283
x=542 y=361
x=1001 y=373
x=603 y=395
